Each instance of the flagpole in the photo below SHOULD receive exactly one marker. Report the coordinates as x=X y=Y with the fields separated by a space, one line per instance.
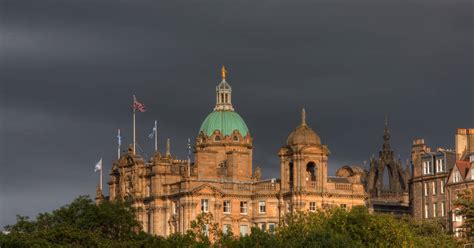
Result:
x=134 y=141
x=119 y=143
x=156 y=137
x=101 y=178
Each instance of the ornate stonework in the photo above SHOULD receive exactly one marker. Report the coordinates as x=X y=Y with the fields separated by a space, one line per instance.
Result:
x=170 y=193
x=392 y=197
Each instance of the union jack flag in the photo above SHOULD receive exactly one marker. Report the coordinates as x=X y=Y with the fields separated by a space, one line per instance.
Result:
x=138 y=106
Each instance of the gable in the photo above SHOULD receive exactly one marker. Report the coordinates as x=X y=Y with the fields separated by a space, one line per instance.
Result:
x=206 y=189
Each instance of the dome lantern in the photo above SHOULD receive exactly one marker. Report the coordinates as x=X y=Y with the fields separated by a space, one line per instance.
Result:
x=224 y=93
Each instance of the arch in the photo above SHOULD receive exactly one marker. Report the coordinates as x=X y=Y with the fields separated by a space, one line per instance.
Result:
x=217 y=138
x=311 y=170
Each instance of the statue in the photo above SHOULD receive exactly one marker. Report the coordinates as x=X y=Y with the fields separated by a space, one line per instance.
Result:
x=224 y=72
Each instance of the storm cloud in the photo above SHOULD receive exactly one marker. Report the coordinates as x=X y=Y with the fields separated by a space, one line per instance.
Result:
x=69 y=69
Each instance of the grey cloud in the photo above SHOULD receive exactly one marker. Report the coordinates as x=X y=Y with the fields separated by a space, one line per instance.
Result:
x=69 y=68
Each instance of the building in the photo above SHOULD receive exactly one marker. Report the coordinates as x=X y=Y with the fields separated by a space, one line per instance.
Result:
x=428 y=184
x=391 y=197
x=169 y=193
x=461 y=177
x=438 y=176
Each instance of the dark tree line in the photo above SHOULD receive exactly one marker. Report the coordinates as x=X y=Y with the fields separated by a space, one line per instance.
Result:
x=85 y=224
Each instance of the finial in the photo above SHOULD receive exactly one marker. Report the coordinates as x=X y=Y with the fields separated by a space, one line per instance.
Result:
x=223 y=72
x=303 y=117
x=386 y=120
x=168 y=145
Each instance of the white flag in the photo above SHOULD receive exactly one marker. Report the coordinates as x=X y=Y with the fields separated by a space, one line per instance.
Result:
x=98 y=166
x=153 y=133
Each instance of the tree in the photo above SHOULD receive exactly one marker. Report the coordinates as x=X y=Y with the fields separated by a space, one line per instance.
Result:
x=465 y=207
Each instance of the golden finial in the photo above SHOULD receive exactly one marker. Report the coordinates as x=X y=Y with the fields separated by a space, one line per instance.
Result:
x=224 y=72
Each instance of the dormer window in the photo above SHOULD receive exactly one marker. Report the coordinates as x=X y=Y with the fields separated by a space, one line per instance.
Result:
x=457 y=177
x=235 y=138
x=427 y=167
x=217 y=138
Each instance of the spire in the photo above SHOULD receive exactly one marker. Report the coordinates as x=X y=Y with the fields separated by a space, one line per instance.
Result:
x=303 y=117
x=386 y=139
x=224 y=93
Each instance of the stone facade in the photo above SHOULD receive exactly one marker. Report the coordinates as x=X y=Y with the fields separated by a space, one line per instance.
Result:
x=394 y=196
x=438 y=176
x=169 y=193
x=460 y=178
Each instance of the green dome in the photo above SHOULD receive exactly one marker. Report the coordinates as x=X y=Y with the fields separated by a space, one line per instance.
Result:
x=224 y=121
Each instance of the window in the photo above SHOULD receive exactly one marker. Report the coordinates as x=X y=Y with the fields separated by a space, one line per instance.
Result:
x=434 y=187
x=442 y=209
x=457 y=218
x=150 y=222
x=206 y=230
x=343 y=206
x=456 y=177
x=226 y=228
x=262 y=208
x=243 y=208
x=426 y=188
x=427 y=167
x=244 y=230
x=288 y=207
x=426 y=211
x=235 y=138
x=175 y=207
x=227 y=207
x=271 y=227
x=263 y=226
x=217 y=138
x=312 y=206
x=434 y=209
x=457 y=232
x=440 y=166
x=441 y=189
x=472 y=173
x=205 y=205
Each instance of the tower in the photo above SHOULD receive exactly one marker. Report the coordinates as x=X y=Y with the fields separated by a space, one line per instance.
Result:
x=224 y=145
x=397 y=178
x=303 y=163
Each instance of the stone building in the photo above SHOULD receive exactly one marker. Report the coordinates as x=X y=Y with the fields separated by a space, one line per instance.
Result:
x=169 y=193
x=391 y=197
x=438 y=176
x=460 y=178
x=430 y=172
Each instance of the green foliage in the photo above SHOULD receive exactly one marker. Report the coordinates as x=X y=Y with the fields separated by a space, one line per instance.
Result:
x=465 y=205
x=113 y=224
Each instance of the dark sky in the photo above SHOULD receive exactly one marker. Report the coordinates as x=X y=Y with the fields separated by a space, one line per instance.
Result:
x=69 y=69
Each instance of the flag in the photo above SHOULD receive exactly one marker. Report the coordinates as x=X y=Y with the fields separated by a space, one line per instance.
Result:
x=119 y=138
x=98 y=166
x=153 y=132
x=138 y=106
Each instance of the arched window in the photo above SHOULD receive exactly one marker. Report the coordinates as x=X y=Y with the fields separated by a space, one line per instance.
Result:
x=217 y=138
x=311 y=169
x=235 y=138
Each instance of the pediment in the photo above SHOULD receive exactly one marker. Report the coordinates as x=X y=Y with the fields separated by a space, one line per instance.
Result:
x=206 y=189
